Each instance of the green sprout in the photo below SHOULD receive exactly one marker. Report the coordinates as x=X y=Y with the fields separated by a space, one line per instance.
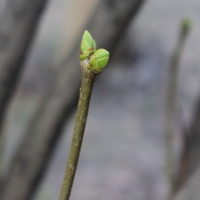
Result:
x=88 y=46
x=98 y=60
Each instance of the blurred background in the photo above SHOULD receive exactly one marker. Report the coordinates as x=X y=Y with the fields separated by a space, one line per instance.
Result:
x=123 y=152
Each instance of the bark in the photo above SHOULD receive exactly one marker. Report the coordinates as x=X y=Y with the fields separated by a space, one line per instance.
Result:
x=107 y=25
x=88 y=78
x=18 y=23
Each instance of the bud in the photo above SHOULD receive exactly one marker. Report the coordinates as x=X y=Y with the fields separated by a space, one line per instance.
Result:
x=88 y=46
x=98 y=60
x=186 y=25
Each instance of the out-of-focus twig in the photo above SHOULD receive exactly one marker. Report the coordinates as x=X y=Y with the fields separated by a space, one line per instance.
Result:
x=170 y=105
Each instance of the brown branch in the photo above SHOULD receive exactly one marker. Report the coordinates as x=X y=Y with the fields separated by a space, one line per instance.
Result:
x=88 y=78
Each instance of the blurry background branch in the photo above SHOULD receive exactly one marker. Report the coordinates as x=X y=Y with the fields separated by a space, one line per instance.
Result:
x=108 y=24
x=171 y=104
x=19 y=20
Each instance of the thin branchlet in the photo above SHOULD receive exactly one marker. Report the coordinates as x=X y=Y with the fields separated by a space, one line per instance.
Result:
x=170 y=106
x=92 y=62
x=88 y=78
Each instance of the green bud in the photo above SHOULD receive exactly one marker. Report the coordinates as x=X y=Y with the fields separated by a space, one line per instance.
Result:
x=88 y=46
x=186 y=25
x=98 y=60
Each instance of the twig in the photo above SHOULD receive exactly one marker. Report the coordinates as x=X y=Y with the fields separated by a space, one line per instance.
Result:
x=88 y=78
x=170 y=105
x=92 y=62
